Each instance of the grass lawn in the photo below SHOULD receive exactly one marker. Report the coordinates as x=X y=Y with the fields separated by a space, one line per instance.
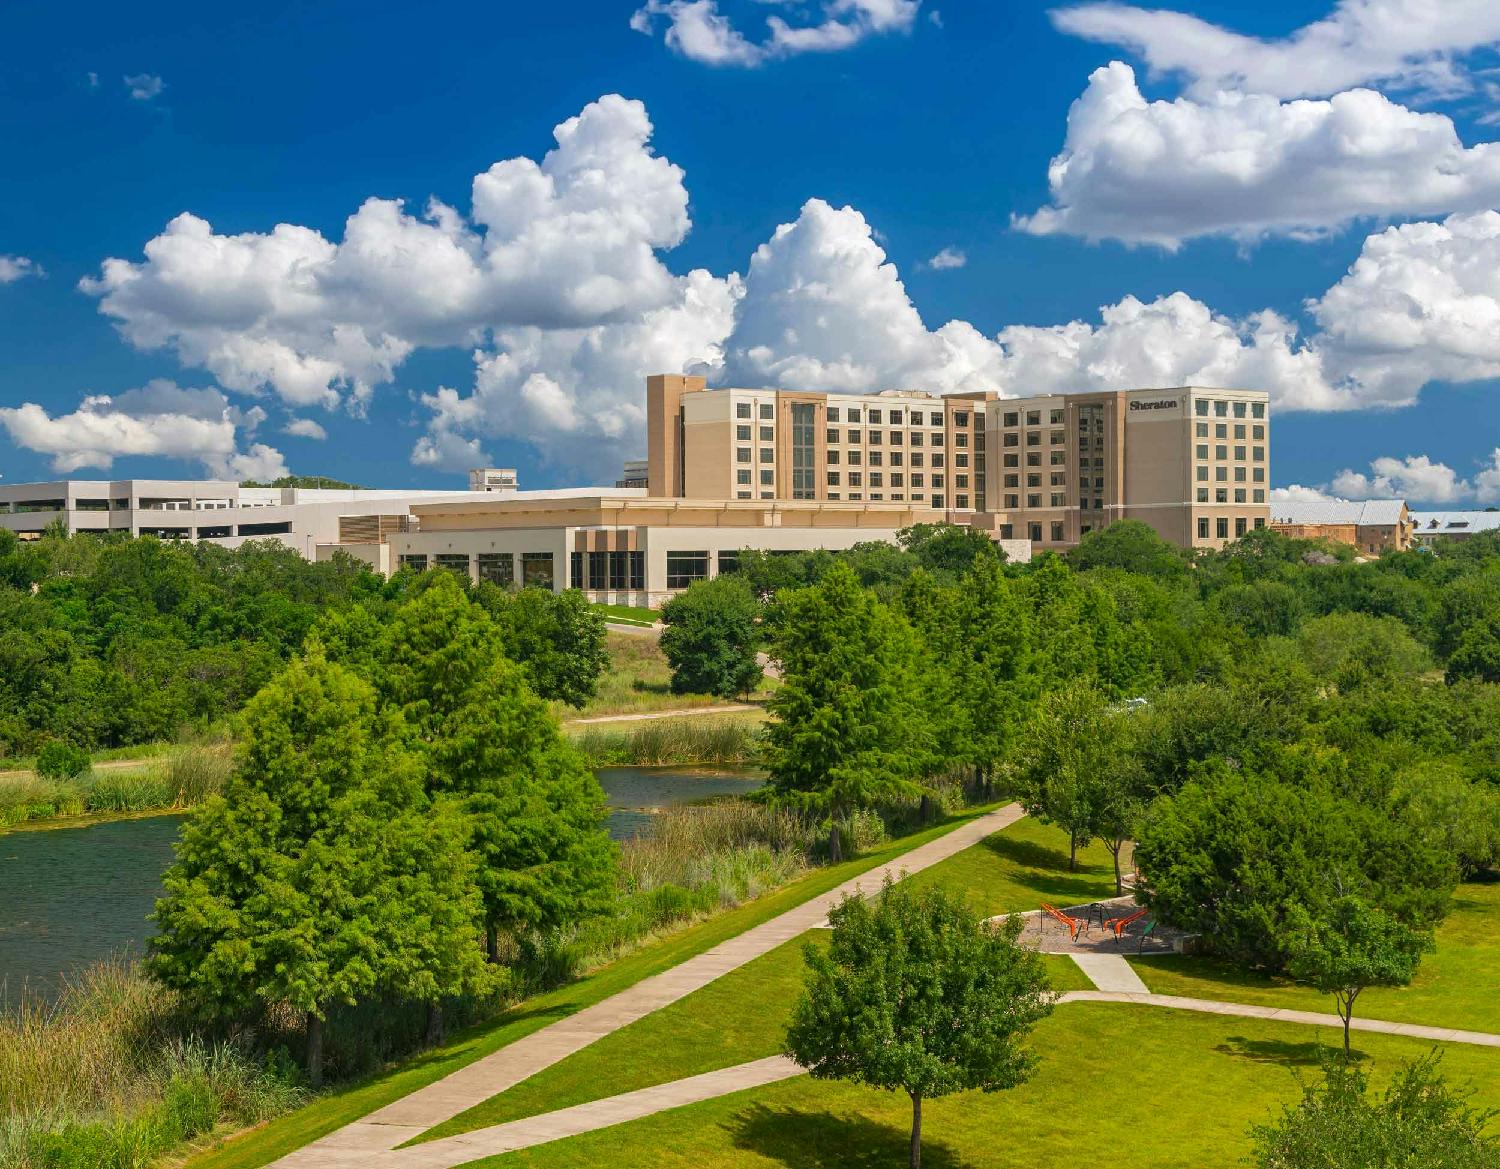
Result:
x=743 y=1015
x=270 y=1141
x=1457 y=985
x=626 y=614
x=1017 y=869
x=1138 y=1087
x=638 y=680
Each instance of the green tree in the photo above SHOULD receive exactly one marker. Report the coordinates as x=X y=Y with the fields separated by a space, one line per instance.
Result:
x=323 y=874
x=535 y=811
x=1065 y=764
x=919 y=994
x=1477 y=654
x=849 y=727
x=61 y=760
x=1349 y=947
x=948 y=549
x=711 y=638
x=1132 y=546
x=558 y=638
x=1337 y=1124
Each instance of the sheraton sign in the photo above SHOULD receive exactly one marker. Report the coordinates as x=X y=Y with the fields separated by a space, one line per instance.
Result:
x=1158 y=404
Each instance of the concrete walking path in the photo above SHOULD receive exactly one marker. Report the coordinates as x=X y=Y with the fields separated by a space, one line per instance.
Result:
x=646 y=716
x=1283 y=1015
x=360 y=1144
x=1111 y=972
x=589 y=1117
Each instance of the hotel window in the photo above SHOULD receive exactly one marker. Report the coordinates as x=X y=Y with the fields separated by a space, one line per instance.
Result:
x=1203 y=528
x=877 y=479
x=1011 y=440
x=833 y=495
x=1221 y=527
x=804 y=451
x=918 y=481
x=742 y=495
x=598 y=570
x=856 y=479
x=1221 y=452
x=961 y=501
x=833 y=458
x=1239 y=409
x=456 y=562
x=1257 y=410
x=1239 y=452
x=852 y=436
x=1259 y=496
x=937 y=480
x=916 y=438
x=960 y=480
x=537 y=571
x=1202 y=451
x=937 y=440
x=1059 y=479
x=872 y=416
x=729 y=562
x=961 y=418
x=1239 y=495
x=1033 y=480
x=619 y=570
x=894 y=419
x=1200 y=430
x=895 y=438
x=1221 y=430
x=742 y=455
x=1033 y=438
x=1057 y=438
x=855 y=495
x=1005 y=531
x=767 y=434
x=1033 y=458
x=1257 y=433
x=1057 y=532
x=1203 y=495
x=1200 y=408
x=1055 y=417
x=896 y=458
x=1011 y=418
x=1033 y=418
x=742 y=433
x=833 y=478
x=1258 y=454
x=1221 y=495
x=767 y=454
x=934 y=419
x=575 y=570
x=1221 y=474
x=742 y=409
x=416 y=561
x=875 y=437
x=1258 y=474
x=833 y=414
x=1059 y=499
x=1034 y=532
x=877 y=458
x=1202 y=474
x=1058 y=458
x=742 y=477
x=1239 y=432
x=897 y=479
x=937 y=461
x=1239 y=474
x=1221 y=409
x=876 y=496
x=853 y=415
x=1007 y=460
x=768 y=495
x=937 y=500
x=683 y=568
x=1012 y=501
x=960 y=440
x=960 y=460
x=917 y=458
x=853 y=459
x=1033 y=501
x=768 y=478
x=499 y=568
x=767 y=411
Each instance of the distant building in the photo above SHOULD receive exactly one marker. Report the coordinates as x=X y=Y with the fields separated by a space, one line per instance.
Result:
x=1370 y=526
x=634 y=474
x=492 y=479
x=1432 y=527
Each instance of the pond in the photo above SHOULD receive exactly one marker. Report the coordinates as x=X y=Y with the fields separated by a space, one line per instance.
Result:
x=71 y=896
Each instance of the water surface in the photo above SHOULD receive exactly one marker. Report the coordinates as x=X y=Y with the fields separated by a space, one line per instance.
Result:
x=71 y=896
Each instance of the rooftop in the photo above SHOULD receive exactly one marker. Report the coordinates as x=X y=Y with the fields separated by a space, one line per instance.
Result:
x=1365 y=513
x=1431 y=523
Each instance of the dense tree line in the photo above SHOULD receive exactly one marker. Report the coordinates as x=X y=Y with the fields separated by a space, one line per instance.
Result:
x=110 y=641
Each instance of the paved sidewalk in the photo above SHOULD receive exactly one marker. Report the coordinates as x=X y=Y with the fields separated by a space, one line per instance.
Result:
x=1282 y=1015
x=646 y=716
x=597 y=1114
x=1111 y=972
x=359 y=1145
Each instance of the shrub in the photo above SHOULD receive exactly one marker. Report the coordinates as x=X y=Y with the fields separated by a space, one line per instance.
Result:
x=61 y=760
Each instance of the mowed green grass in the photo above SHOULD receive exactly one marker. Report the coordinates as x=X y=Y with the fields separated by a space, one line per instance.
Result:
x=743 y=1016
x=1134 y=1087
x=270 y=1141
x=1016 y=870
x=629 y=614
x=1458 y=984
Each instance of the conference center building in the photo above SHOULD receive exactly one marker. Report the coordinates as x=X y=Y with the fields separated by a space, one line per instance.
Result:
x=785 y=471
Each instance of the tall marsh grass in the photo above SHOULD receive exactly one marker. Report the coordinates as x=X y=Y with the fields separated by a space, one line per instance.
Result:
x=111 y=1074
x=665 y=742
x=182 y=780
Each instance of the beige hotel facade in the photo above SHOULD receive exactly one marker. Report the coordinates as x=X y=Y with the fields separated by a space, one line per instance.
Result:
x=783 y=471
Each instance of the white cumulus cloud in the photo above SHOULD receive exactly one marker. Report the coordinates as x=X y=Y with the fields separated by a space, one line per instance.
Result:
x=13 y=268
x=948 y=258
x=1415 y=477
x=1410 y=44
x=699 y=31
x=158 y=419
x=305 y=428
x=1249 y=165
x=143 y=86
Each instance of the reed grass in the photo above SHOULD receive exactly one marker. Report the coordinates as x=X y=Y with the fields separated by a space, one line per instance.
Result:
x=664 y=742
x=182 y=780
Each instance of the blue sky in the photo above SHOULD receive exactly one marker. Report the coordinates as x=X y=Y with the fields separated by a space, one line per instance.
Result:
x=934 y=125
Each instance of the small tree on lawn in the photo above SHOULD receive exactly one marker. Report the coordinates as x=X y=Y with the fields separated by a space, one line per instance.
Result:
x=1065 y=763
x=710 y=639
x=918 y=993
x=1420 y=1121
x=1353 y=947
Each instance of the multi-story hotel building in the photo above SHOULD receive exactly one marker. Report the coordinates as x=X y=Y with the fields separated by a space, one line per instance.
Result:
x=1191 y=462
